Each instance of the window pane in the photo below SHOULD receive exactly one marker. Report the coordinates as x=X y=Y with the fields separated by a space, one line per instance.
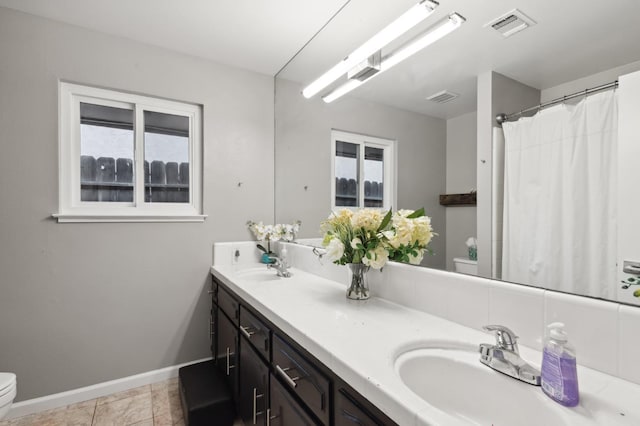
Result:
x=166 y=158
x=106 y=153
x=373 y=176
x=347 y=163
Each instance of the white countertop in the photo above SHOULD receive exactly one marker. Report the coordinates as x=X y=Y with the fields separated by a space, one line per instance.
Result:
x=360 y=341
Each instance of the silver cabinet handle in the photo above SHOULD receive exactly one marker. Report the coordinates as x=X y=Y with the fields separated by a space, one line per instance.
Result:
x=256 y=413
x=270 y=417
x=255 y=403
x=246 y=332
x=291 y=381
x=229 y=366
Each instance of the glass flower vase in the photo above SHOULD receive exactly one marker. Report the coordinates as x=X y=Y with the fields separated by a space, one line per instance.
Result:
x=359 y=287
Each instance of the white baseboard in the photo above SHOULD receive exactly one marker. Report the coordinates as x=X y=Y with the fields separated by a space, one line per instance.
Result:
x=61 y=399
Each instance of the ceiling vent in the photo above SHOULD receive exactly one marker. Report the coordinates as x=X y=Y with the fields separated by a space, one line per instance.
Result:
x=511 y=23
x=442 y=97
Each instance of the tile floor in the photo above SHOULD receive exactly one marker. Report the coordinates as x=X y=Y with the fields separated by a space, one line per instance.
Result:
x=157 y=404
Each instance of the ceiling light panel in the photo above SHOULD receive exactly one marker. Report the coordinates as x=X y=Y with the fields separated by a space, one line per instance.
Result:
x=401 y=25
x=433 y=34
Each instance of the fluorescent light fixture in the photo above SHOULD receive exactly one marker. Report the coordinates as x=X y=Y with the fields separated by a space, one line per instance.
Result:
x=342 y=90
x=435 y=33
x=401 y=25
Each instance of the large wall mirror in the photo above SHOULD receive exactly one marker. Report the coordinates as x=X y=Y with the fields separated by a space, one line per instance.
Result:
x=565 y=47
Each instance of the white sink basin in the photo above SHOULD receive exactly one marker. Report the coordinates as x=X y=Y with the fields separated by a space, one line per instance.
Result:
x=257 y=273
x=455 y=382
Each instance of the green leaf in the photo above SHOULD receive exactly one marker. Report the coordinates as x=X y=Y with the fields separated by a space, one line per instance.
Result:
x=385 y=221
x=416 y=214
x=261 y=248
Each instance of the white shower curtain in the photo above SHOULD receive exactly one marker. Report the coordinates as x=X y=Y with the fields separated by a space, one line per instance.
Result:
x=559 y=224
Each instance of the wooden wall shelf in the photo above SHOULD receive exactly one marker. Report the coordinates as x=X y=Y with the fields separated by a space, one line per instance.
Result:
x=458 y=199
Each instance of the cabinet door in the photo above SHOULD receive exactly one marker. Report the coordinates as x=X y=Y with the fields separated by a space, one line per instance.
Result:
x=227 y=351
x=254 y=386
x=213 y=320
x=284 y=410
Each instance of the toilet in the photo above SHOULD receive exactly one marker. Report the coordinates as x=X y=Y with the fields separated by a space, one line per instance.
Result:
x=8 y=391
x=466 y=266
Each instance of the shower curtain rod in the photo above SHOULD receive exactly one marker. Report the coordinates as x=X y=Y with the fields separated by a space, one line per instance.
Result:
x=501 y=118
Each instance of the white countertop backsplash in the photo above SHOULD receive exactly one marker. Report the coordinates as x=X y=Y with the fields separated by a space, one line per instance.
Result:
x=360 y=341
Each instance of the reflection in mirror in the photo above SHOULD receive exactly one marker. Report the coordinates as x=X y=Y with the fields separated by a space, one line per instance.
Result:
x=455 y=146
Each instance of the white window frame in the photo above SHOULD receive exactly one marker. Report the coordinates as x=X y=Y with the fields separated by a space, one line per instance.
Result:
x=72 y=209
x=389 y=147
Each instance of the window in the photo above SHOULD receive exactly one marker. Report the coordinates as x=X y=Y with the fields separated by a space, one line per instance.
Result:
x=126 y=157
x=363 y=171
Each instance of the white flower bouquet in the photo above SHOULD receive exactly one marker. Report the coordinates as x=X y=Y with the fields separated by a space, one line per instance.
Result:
x=369 y=237
x=269 y=233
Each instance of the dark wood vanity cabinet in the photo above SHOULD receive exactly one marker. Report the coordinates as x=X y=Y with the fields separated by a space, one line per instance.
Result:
x=253 y=400
x=275 y=381
x=226 y=355
x=213 y=318
x=351 y=409
x=257 y=333
x=303 y=378
x=284 y=410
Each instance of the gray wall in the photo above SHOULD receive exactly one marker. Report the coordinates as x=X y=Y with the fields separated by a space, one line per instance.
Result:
x=496 y=94
x=303 y=157
x=587 y=82
x=85 y=303
x=461 y=178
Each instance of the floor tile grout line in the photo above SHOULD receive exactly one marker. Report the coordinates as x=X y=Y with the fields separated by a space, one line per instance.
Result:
x=123 y=397
x=95 y=407
x=93 y=416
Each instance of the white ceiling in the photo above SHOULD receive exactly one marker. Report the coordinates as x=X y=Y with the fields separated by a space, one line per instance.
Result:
x=258 y=35
x=573 y=39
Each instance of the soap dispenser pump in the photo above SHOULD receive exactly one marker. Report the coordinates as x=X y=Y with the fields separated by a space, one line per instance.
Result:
x=559 y=372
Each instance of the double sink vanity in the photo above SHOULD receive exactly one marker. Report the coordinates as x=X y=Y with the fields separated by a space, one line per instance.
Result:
x=295 y=351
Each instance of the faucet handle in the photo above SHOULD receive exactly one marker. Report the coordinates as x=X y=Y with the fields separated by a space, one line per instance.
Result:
x=505 y=338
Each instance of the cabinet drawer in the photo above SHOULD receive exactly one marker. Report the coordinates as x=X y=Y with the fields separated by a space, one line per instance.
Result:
x=228 y=304
x=284 y=410
x=256 y=332
x=302 y=378
x=351 y=409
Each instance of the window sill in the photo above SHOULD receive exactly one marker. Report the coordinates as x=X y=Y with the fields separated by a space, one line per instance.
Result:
x=112 y=218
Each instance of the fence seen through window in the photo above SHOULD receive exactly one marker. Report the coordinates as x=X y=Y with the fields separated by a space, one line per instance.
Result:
x=107 y=168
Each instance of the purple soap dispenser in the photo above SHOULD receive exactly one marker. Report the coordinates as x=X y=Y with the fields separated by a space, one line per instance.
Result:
x=559 y=373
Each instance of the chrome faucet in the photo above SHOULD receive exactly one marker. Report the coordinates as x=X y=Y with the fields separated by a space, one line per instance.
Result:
x=505 y=357
x=281 y=266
